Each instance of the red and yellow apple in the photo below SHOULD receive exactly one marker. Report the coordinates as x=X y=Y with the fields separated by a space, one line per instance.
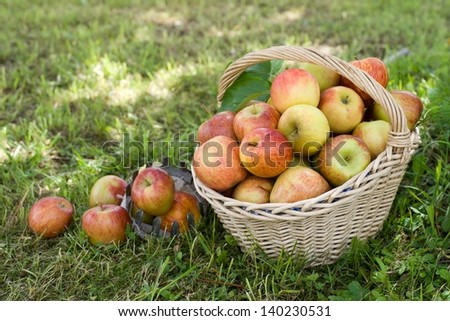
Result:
x=153 y=191
x=375 y=68
x=375 y=134
x=257 y=115
x=108 y=189
x=221 y=124
x=297 y=184
x=306 y=127
x=254 y=189
x=343 y=108
x=217 y=163
x=410 y=104
x=105 y=224
x=343 y=157
x=293 y=87
x=265 y=152
x=50 y=216
x=183 y=204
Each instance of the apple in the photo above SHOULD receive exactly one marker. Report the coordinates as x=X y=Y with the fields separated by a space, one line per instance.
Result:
x=153 y=191
x=375 y=134
x=183 y=204
x=265 y=152
x=343 y=157
x=217 y=163
x=108 y=189
x=293 y=87
x=221 y=124
x=254 y=189
x=105 y=224
x=410 y=104
x=375 y=68
x=257 y=115
x=306 y=127
x=50 y=216
x=325 y=77
x=297 y=184
x=343 y=108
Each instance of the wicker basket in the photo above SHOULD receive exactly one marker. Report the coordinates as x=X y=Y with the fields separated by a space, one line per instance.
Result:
x=321 y=228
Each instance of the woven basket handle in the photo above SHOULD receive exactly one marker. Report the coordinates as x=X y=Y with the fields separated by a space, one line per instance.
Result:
x=399 y=137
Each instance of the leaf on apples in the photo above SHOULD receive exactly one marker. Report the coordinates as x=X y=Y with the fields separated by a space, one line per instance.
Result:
x=253 y=84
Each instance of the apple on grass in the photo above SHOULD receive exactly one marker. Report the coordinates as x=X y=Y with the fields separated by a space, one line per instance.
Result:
x=375 y=68
x=221 y=124
x=343 y=157
x=184 y=203
x=297 y=184
x=254 y=189
x=265 y=152
x=108 y=189
x=306 y=127
x=325 y=77
x=294 y=87
x=257 y=115
x=343 y=108
x=50 y=216
x=410 y=104
x=217 y=163
x=153 y=191
x=105 y=224
x=375 y=134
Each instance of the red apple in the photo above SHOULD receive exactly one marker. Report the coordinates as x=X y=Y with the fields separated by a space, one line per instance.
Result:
x=265 y=152
x=343 y=108
x=183 y=204
x=217 y=163
x=293 y=87
x=108 y=189
x=409 y=103
x=297 y=184
x=105 y=224
x=257 y=115
x=221 y=124
x=50 y=216
x=375 y=134
x=153 y=191
x=375 y=68
x=343 y=157
x=253 y=189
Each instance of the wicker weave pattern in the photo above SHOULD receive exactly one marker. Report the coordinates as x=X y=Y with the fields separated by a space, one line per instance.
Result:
x=323 y=227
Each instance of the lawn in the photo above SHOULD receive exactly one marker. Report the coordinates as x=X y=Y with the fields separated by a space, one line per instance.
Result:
x=75 y=75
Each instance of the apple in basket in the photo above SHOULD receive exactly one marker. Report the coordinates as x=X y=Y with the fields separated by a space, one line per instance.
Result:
x=375 y=134
x=105 y=224
x=153 y=191
x=218 y=125
x=297 y=184
x=108 y=189
x=217 y=163
x=183 y=204
x=257 y=115
x=294 y=87
x=325 y=77
x=343 y=108
x=342 y=157
x=50 y=216
x=254 y=189
x=375 y=68
x=306 y=127
x=410 y=104
x=265 y=152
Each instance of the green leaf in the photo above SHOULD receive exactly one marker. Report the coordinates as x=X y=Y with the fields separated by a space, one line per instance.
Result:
x=247 y=87
x=446 y=221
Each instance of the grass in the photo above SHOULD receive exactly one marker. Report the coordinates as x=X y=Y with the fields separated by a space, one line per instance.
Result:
x=74 y=76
